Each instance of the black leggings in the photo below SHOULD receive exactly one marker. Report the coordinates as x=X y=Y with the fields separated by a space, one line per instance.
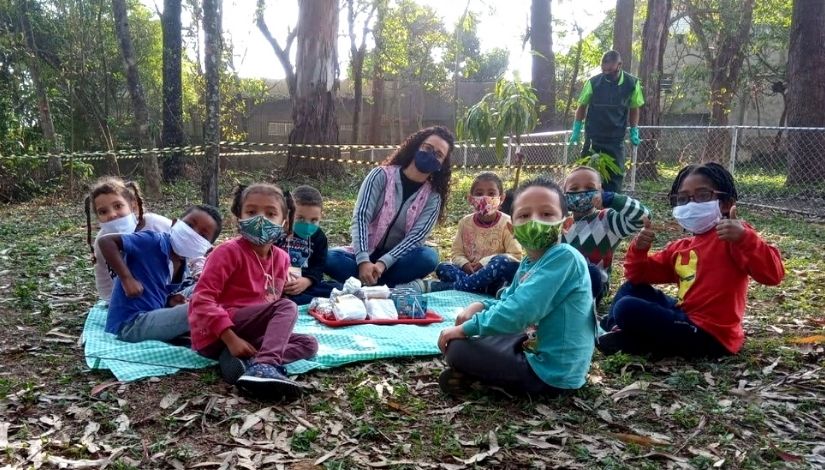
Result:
x=654 y=324
x=498 y=361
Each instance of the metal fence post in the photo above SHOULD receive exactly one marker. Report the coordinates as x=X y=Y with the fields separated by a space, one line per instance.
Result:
x=372 y=154
x=566 y=148
x=633 y=166
x=465 y=155
x=733 y=143
x=509 y=149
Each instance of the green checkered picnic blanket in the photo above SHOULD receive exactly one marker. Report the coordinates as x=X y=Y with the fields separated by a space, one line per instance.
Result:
x=133 y=361
x=336 y=346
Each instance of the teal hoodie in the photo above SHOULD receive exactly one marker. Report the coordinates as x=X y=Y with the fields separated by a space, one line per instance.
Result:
x=553 y=295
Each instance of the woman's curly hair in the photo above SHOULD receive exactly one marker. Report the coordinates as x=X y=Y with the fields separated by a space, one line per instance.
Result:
x=440 y=180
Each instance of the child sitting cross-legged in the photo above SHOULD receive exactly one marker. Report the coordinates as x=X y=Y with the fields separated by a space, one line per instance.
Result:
x=139 y=309
x=238 y=311
x=601 y=220
x=550 y=294
x=485 y=254
x=711 y=268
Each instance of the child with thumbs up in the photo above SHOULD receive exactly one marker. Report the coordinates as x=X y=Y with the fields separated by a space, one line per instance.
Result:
x=711 y=269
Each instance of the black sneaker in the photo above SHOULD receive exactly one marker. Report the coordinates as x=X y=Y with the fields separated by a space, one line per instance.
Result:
x=269 y=382
x=232 y=368
x=453 y=382
x=612 y=342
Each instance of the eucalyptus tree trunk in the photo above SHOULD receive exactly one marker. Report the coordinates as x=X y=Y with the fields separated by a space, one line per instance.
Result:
x=151 y=174
x=212 y=97
x=172 y=131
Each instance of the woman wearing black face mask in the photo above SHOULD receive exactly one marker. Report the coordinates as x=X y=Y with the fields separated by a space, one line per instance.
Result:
x=610 y=101
x=398 y=205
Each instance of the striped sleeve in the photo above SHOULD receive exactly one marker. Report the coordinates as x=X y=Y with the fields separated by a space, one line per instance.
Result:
x=422 y=227
x=371 y=192
x=626 y=217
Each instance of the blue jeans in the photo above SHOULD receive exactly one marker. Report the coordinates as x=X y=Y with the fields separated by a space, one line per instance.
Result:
x=654 y=324
x=319 y=289
x=163 y=324
x=416 y=264
x=499 y=270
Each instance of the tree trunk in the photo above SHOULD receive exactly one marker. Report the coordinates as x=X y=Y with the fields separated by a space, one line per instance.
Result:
x=724 y=57
x=358 y=85
x=806 y=95
x=53 y=164
x=377 y=111
x=313 y=113
x=212 y=97
x=544 y=68
x=574 y=78
x=172 y=133
x=623 y=32
x=654 y=42
x=151 y=174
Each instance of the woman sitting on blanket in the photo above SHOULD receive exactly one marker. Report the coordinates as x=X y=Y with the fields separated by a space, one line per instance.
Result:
x=397 y=207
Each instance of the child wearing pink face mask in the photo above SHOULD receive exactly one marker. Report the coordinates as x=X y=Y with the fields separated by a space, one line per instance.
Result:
x=485 y=254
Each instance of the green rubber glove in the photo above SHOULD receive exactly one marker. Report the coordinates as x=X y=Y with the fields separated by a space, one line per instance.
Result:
x=634 y=136
x=577 y=131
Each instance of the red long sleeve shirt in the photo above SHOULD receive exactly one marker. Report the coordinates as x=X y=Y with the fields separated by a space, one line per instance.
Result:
x=712 y=276
x=233 y=277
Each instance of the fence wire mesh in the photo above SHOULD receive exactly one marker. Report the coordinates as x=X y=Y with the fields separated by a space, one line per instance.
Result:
x=776 y=168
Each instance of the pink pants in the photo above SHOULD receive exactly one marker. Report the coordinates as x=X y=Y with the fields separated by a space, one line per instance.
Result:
x=268 y=327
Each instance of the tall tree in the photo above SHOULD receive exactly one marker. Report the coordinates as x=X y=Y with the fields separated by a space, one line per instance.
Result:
x=281 y=52
x=358 y=50
x=806 y=95
x=623 y=32
x=377 y=110
x=316 y=67
x=172 y=131
x=151 y=173
x=722 y=29
x=544 y=68
x=212 y=98
x=53 y=165
x=654 y=42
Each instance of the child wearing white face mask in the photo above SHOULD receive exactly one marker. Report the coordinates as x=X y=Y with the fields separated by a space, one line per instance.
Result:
x=119 y=208
x=711 y=269
x=138 y=310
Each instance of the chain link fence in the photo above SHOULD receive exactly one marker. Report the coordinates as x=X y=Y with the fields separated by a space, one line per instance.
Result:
x=774 y=168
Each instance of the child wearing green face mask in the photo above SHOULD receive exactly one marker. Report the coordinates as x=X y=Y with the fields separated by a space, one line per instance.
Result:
x=306 y=245
x=550 y=295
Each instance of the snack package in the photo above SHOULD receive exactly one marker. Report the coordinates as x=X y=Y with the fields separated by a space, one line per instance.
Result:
x=294 y=273
x=409 y=303
x=349 y=307
x=323 y=306
x=376 y=292
x=381 y=309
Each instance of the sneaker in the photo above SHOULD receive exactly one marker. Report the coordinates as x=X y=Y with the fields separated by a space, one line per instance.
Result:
x=232 y=368
x=269 y=382
x=612 y=342
x=437 y=286
x=453 y=382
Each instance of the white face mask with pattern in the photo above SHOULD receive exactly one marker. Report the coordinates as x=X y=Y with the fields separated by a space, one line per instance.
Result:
x=698 y=217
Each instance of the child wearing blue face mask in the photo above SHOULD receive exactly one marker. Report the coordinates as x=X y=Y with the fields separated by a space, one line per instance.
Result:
x=238 y=313
x=306 y=245
x=711 y=269
x=139 y=309
x=601 y=220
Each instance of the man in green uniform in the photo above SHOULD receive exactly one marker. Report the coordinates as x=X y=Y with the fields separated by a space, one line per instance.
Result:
x=609 y=100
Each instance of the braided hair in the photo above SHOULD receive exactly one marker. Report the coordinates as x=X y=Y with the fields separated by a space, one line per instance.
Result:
x=718 y=175
x=440 y=180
